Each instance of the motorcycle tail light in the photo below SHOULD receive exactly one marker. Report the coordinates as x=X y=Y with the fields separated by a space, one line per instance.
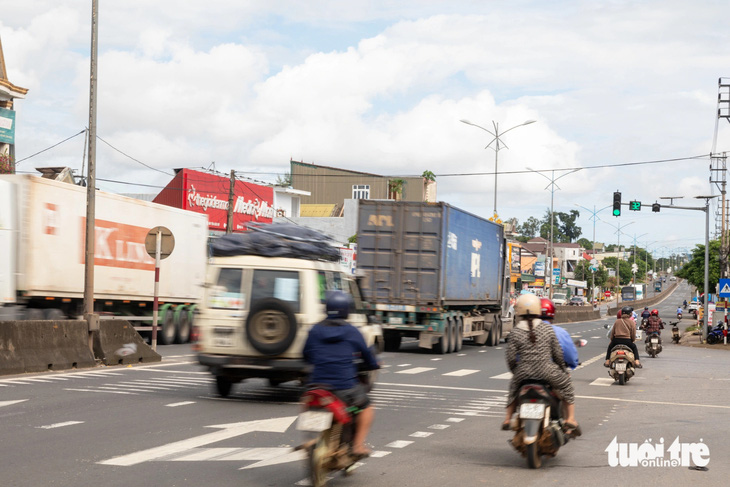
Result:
x=620 y=352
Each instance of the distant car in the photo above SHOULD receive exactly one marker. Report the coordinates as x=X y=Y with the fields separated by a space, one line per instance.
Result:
x=673 y=278
x=559 y=299
x=693 y=306
x=577 y=301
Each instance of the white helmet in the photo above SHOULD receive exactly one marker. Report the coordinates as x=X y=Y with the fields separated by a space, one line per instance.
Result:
x=528 y=305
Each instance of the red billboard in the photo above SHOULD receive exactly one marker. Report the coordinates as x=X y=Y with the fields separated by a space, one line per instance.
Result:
x=208 y=194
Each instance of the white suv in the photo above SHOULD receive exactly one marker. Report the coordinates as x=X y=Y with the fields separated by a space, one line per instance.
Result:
x=559 y=299
x=257 y=313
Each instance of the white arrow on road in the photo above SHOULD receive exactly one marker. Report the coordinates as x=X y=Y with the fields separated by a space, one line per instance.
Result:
x=10 y=403
x=274 y=425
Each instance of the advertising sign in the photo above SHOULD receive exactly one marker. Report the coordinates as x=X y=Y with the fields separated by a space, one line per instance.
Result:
x=539 y=269
x=515 y=255
x=208 y=194
x=7 y=126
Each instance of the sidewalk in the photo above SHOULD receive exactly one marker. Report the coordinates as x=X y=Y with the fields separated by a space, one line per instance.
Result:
x=690 y=340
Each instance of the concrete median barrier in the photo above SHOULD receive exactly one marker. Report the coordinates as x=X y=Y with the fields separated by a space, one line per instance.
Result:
x=571 y=314
x=118 y=343
x=38 y=346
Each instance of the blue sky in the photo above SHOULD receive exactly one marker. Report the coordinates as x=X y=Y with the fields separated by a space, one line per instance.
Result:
x=381 y=86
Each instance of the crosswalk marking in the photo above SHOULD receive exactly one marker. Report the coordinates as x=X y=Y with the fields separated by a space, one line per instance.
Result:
x=415 y=370
x=603 y=382
x=506 y=375
x=462 y=372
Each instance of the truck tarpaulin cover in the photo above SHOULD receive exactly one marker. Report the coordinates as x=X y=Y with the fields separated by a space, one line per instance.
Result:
x=277 y=240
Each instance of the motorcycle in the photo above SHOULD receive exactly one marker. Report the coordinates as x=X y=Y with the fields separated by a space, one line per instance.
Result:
x=329 y=428
x=679 y=316
x=675 y=331
x=621 y=364
x=538 y=423
x=715 y=335
x=653 y=343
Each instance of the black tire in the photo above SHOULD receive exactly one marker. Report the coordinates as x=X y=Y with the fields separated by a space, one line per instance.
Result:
x=459 y=334
x=183 y=325
x=317 y=456
x=653 y=353
x=452 y=336
x=392 y=341
x=166 y=332
x=622 y=379
x=533 y=456
x=495 y=332
x=34 y=314
x=223 y=385
x=271 y=326
x=442 y=346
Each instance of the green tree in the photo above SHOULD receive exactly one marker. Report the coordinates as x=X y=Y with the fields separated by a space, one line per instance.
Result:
x=284 y=180
x=428 y=176
x=694 y=270
x=624 y=269
x=585 y=243
x=530 y=228
x=565 y=229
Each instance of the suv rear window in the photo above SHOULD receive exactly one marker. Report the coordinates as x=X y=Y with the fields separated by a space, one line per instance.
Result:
x=283 y=285
x=227 y=294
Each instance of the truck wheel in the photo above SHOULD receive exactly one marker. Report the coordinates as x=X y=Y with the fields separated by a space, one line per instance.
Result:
x=34 y=314
x=459 y=334
x=392 y=341
x=444 y=343
x=271 y=326
x=182 y=325
x=495 y=332
x=166 y=333
x=54 y=314
x=223 y=385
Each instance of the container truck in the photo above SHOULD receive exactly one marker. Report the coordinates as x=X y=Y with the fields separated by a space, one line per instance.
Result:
x=433 y=272
x=42 y=253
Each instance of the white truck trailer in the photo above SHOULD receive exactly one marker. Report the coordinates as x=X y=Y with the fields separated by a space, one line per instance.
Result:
x=42 y=253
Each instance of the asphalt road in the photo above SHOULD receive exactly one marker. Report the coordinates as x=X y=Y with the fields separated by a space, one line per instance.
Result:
x=437 y=422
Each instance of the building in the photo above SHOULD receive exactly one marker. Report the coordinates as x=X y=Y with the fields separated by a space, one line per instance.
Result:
x=8 y=93
x=332 y=186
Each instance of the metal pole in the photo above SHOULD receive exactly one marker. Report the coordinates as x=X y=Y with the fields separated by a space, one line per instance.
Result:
x=91 y=318
x=707 y=268
x=496 y=156
x=231 y=193
x=552 y=224
x=155 y=302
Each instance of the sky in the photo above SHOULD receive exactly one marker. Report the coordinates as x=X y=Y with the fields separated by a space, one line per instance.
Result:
x=381 y=86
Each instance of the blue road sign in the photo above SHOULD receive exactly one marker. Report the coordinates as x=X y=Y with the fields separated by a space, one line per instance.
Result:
x=723 y=289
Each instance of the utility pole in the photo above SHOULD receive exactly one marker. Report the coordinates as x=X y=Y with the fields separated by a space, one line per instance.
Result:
x=618 y=258
x=594 y=217
x=91 y=318
x=231 y=194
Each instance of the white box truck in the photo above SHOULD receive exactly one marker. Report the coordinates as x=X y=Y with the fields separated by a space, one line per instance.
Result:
x=42 y=254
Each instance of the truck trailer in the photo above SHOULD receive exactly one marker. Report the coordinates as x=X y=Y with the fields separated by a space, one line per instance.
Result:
x=433 y=272
x=42 y=254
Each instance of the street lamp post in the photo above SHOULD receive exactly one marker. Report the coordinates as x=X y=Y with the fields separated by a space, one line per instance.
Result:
x=552 y=187
x=618 y=259
x=594 y=217
x=498 y=144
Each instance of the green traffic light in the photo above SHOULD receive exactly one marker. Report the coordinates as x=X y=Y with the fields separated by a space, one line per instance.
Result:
x=616 y=212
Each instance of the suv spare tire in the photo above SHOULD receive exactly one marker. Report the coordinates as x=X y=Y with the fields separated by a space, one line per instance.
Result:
x=271 y=326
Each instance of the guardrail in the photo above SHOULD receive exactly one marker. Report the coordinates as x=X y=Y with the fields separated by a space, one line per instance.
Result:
x=646 y=302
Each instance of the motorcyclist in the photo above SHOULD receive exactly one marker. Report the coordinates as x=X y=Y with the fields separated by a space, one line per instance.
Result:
x=684 y=305
x=570 y=353
x=655 y=324
x=331 y=347
x=623 y=332
x=679 y=310
x=540 y=358
x=645 y=314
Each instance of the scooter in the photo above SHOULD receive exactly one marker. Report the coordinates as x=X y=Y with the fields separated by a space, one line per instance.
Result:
x=621 y=364
x=675 y=331
x=538 y=422
x=653 y=343
x=679 y=315
x=715 y=335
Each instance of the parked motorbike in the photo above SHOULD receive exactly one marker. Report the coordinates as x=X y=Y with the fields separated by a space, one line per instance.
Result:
x=538 y=423
x=675 y=331
x=621 y=364
x=653 y=343
x=715 y=335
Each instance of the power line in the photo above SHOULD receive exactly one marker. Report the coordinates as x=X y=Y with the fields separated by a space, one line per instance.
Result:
x=49 y=148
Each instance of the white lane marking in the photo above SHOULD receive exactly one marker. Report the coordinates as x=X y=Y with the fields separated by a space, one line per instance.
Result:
x=446 y=388
x=379 y=454
x=226 y=431
x=176 y=404
x=455 y=420
x=404 y=365
x=12 y=382
x=398 y=444
x=482 y=351
x=415 y=370
x=603 y=382
x=420 y=434
x=59 y=425
x=460 y=354
x=462 y=372
x=10 y=403
x=439 y=426
x=385 y=366
x=506 y=376
x=595 y=338
x=36 y=380
x=96 y=390
x=436 y=359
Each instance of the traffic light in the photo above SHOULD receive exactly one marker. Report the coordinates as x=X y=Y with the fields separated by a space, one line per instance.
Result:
x=655 y=207
x=635 y=205
x=617 y=203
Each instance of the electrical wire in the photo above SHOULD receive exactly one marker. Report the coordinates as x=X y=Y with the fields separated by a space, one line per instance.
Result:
x=49 y=148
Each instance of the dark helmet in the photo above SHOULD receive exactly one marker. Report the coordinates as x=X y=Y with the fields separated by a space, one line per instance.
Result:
x=627 y=310
x=646 y=308
x=339 y=305
x=547 y=309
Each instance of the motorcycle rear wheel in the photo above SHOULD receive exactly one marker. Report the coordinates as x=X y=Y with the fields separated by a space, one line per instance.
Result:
x=533 y=456
x=622 y=379
x=316 y=461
